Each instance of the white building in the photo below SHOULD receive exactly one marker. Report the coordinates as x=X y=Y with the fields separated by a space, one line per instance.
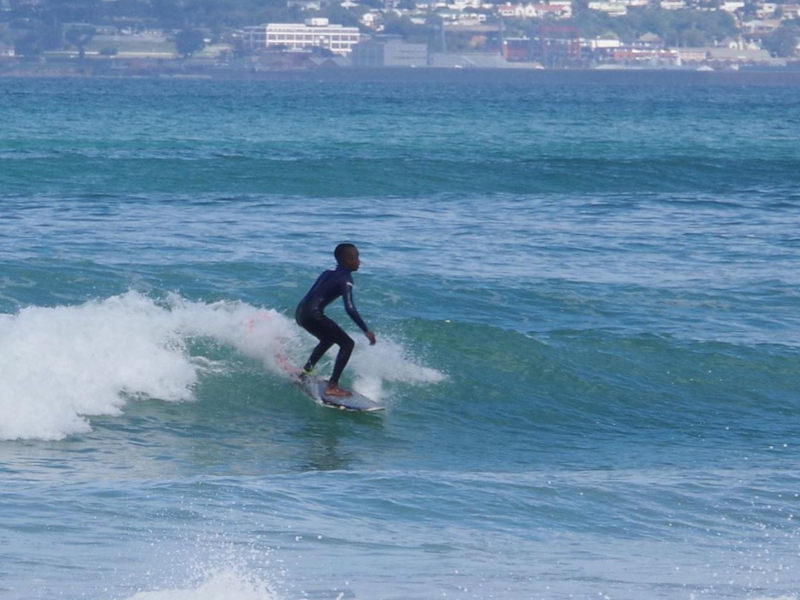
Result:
x=372 y=19
x=559 y=9
x=603 y=43
x=314 y=33
x=790 y=11
x=731 y=6
x=614 y=9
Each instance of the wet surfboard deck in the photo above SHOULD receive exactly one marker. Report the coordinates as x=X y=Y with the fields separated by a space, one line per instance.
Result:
x=314 y=388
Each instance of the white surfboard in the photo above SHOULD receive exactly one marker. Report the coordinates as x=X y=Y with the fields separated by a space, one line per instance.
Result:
x=314 y=387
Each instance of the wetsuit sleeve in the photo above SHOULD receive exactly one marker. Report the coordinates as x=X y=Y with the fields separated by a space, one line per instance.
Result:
x=350 y=307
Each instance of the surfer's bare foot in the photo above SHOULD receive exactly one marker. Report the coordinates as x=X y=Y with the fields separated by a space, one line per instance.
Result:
x=335 y=390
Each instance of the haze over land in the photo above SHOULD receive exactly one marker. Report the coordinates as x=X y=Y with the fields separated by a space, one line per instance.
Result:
x=554 y=34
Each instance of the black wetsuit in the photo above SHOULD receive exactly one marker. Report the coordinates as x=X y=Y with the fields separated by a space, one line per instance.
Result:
x=310 y=316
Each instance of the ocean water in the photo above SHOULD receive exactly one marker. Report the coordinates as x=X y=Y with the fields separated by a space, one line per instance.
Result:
x=586 y=297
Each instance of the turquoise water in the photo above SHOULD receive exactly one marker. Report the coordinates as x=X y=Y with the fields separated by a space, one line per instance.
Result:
x=586 y=302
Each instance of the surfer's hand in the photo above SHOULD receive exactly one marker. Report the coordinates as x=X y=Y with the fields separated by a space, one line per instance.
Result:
x=370 y=337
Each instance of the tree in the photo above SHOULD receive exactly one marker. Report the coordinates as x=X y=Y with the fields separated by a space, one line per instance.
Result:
x=168 y=13
x=27 y=45
x=783 y=41
x=79 y=36
x=342 y=16
x=189 y=41
x=675 y=27
x=401 y=26
x=33 y=36
x=73 y=11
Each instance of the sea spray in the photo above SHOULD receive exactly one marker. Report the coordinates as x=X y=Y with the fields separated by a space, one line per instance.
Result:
x=388 y=361
x=223 y=584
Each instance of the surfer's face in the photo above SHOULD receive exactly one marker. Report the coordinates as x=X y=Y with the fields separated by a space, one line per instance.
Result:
x=351 y=261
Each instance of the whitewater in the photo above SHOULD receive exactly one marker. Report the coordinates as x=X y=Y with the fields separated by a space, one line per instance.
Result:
x=62 y=365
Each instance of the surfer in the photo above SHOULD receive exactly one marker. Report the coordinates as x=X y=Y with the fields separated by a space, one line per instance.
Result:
x=310 y=315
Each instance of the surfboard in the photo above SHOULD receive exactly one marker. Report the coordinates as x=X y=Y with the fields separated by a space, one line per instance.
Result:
x=314 y=388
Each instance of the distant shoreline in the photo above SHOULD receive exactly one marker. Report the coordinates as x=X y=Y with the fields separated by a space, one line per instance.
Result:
x=622 y=76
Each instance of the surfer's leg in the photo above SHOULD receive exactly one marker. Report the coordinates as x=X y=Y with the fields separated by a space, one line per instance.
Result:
x=315 y=324
x=346 y=345
x=328 y=332
x=317 y=353
x=333 y=334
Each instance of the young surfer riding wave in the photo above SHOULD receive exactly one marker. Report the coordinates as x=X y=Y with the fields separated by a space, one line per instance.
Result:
x=310 y=315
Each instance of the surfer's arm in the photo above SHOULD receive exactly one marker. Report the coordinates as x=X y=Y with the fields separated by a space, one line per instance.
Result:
x=350 y=307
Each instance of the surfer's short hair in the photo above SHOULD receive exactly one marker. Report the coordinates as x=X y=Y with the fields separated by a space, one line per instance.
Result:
x=342 y=250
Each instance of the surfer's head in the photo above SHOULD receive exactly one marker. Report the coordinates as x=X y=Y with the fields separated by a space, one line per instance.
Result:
x=347 y=256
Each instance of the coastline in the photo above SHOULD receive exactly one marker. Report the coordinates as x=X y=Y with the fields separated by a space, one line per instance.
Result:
x=788 y=76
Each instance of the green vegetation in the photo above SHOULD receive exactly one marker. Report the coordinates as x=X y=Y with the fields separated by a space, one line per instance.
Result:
x=156 y=14
x=189 y=41
x=783 y=41
x=36 y=26
x=79 y=36
x=677 y=28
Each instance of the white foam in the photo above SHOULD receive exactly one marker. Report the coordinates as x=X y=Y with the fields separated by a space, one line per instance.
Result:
x=61 y=365
x=226 y=584
x=384 y=362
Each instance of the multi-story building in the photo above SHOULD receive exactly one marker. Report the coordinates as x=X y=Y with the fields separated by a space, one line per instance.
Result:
x=314 y=33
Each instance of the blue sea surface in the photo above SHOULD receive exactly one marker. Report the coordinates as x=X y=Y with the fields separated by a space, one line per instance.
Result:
x=587 y=303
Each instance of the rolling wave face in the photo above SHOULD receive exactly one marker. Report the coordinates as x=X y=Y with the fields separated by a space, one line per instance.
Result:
x=393 y=176
x=396 y=176
x=614 y=392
